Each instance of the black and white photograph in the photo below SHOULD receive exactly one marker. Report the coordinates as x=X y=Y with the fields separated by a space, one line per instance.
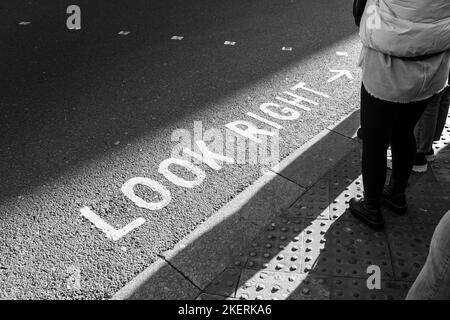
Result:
x=218 y=155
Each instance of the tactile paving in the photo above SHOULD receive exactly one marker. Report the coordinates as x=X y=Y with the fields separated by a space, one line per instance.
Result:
x=444 y=141
x=314 y=243
x=349 y=167
x=226 y=283
x=278 y=247
x=342 y=189
x=409 y=248
x=314 y=204
x=441 y=166
x=442 y=171
x=265 y=285
x=356 y=289
x=428 y=202
x=318 y=250
x=352 y=247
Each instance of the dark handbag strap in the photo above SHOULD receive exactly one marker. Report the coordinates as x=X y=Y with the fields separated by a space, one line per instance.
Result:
x=358 y=10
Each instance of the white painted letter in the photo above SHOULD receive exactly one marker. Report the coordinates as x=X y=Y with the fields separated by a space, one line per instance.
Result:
x=251 y=132
x=301 y=85
x=110 y=232
x=127 y=189
x=264 y=120
x=199 y=173
x=296 y=101
x=186 y=142
x=208 y=157
x=286 y=112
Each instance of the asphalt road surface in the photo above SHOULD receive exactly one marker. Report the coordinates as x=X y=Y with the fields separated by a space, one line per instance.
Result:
x=84 y=111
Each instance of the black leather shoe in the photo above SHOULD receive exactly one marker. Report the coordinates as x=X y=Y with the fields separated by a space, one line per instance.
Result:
x=394 y=201
x=367 y=211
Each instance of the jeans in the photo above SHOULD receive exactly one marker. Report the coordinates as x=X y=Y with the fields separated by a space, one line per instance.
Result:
x=431 y=124
x=384 y=123
x=433 y=281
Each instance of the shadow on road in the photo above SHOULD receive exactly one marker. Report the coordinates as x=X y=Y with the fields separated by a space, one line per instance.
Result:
x=68 y=96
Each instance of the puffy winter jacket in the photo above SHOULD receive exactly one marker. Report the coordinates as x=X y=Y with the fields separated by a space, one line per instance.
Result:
x=406 y=48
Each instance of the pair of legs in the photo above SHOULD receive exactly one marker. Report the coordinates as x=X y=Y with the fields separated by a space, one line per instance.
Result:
x=385 y=123
x=433 y=282
x=432 y=123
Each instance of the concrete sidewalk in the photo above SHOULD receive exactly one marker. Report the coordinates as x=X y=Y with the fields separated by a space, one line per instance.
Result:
x=291 y=236
x=318 y=250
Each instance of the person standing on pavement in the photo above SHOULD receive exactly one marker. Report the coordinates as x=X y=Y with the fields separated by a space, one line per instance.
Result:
x=429 y=129
x=433 y=281
x=405 y=60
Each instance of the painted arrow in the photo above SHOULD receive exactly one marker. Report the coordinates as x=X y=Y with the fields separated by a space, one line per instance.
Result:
x=339 y=74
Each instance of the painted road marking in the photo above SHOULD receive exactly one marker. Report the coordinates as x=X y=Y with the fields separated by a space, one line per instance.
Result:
x=301 y=85
x=339 y=74
x=245 y=129
x=74 y=280
x=296 y=101
x=266 y=121
x=24 y=23
x=342 y=53
x=108 y=230
x=127 y=190
x=200 y=175
x=124 y=33
x=286 y=112
x=208 y=157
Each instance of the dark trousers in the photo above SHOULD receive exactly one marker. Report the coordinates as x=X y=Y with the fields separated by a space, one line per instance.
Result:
x=384 y=123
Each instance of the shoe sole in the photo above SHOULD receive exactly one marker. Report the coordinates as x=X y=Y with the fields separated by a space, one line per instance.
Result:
x=394 y=207
x=361 y=217
x=389 y=163
x=420 y=168
x=416 y=168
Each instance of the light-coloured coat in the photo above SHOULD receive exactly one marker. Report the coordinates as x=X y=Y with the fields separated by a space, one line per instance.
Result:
x=406 y=48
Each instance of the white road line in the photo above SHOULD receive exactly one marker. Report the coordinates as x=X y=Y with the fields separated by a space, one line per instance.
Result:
x=108 y=230
x=286 y=49
x=124 y=33
x=340 y=73
x=342 y=53
x=24 y=23
x=229 y=43
x=177 y=38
